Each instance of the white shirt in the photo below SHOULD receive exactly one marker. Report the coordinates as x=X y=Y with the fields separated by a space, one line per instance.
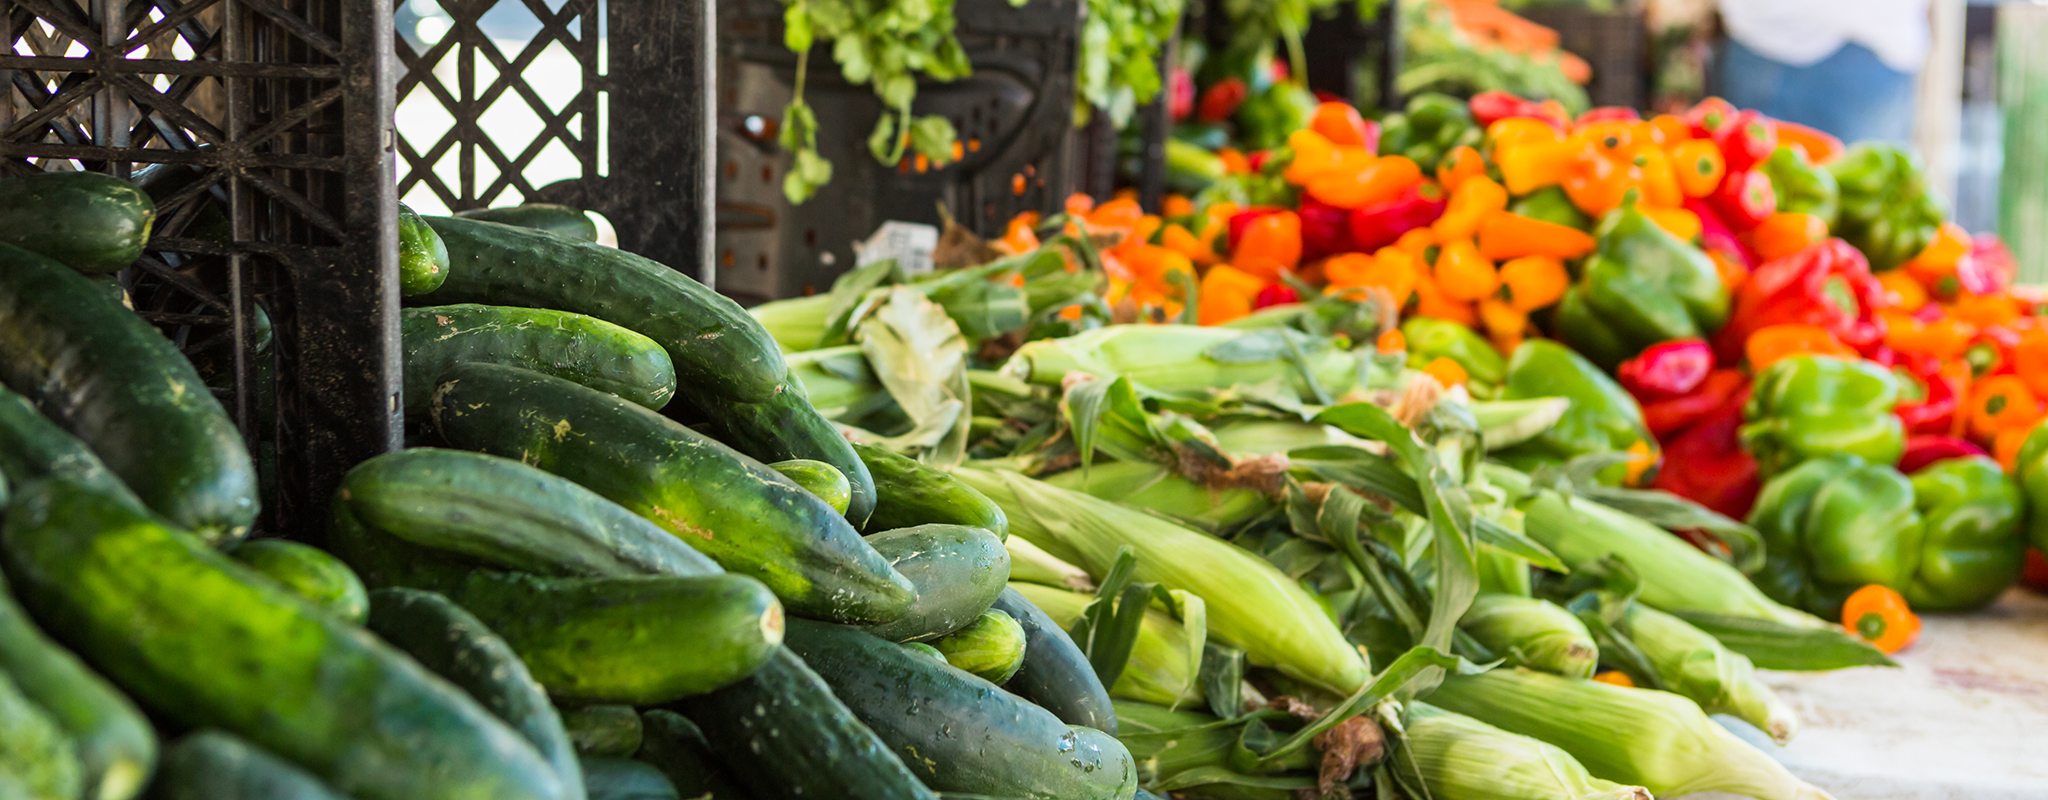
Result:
x=1802 y=32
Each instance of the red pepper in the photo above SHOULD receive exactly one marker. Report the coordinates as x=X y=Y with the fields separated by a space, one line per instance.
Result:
x=1278 y=294
x=1671 y=415
x=1243 y=219
x=1707 y=464
x=1715 y=235
x=1325 y=230
x=1746 y=141
x=1941 y=396
x=1989 y=268
x=1257 y=161
x=1668 y=369
x=1378 y=225
x=1709 y=116
x=1924 y=450
x=2035 y=573
x=1745 y=199
x=1222 y=99
x=1494 y=106
x=1180 y=94
x=1828 y=284
x=1609 y=114
x=1372 y=136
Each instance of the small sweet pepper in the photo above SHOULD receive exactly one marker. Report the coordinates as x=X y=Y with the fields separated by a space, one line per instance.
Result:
x=1808 y=407
x=1833 y=525
x=1640 y=287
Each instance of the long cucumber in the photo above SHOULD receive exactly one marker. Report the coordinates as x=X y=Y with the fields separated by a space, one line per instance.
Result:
x=909 y=492
x=213 y=765
x=35 y=756
x=780 y=428
x=587 y=350
x=958 y=572
x=116 y=748
x=311 y=573
x=1055 y=674
x=92 y=222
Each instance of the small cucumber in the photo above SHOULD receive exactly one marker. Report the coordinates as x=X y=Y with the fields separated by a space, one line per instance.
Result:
x=923 y=649
x=114 y=743
x=781 y=428
x=960 y=733
x=551 y=217
x=92 y=222
x=909 y=492
x=214 y=765
x=603 y=730
x=958 y=571
x=457 y=646
x=311 y=573
x=586 y=350
x=991 y=649
x=674 y=745
x=818 y=478
x=1055 y=674
x=422 y=256
x=33 y=748
x=626 y=779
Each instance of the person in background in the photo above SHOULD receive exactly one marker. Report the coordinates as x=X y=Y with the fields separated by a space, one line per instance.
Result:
x=1847 y=67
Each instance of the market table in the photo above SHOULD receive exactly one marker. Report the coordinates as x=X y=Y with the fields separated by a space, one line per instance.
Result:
x=1965 y=715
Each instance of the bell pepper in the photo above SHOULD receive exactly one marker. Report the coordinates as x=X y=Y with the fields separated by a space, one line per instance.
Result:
x=1350 y=185
x=1774 y=343
x=1264 y=119
x=1947 y=263
x=1828 y=284
x=1832 y=526
x=1698 y=166
x=1970 y=548
x=1464 y=161
x=1269 y=244
x=1719 y=389
x=1808 y=407
x=1923 y=451
x=1532 y=282
x=1658 y=179
x=1227 y=293
x=1431 y=339
x=1645 y=286
x=1222 y=99
x=1667 y=370
x=1999 y=402
x=1820 y=146
x=1744 y=200
x=1597 y=184
x=1746 y=140
x=1801 y=187
x=2031 y=471
x=1380 y=224
x=1325 y=230
x=1341 y=123
x=1705 y=463
x=1551 y=204
x=1886 y=210
x=1942 y=390
x=1602 y=416
x=1717 y=237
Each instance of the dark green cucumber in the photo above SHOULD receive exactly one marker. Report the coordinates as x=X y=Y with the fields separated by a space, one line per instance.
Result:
x=908 y=492
x=311 y=573
x=960 y=733
x=1055 y=674
x=92 y=222
x=717 y=348
x=110 y=378
x=781 y=428
x=925 y=650
x=113 y=742
x=992 y=648
x=818 y=478
x=206 y=642
x=32 y=447
x=505 y=514
x=603 y=730
x=587 y=350
x=958 y=571
x=422 y=256
x=625 y=779
x=785 y=736
x=214 y=765
x=674 y=745
x=457 y=646
x=33 y=748
x=747 y=517
x=551 y=217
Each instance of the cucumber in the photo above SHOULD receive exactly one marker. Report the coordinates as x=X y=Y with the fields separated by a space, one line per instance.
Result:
x=586 y=350
x=205 y=642
x=91 y=222
x=113 y=742
x=422 y=256
x=925 y=650
x=100 y=371
x=508 y=515
x=1055 y=674
x=457 y=646
x=786 y=737
x=214 y=765
x=603 y=730
x=742 y=514
x=781 y=428
x=958 y=571
x=716 y=347
x=34 y=750
x=960 y=733
x=551 y=217
x=164 y=181
x=32 y=447
x=992 y=648
x=311 y=573
x=625 y=779
x=674 y=745
x=818 y=478
x=908 y=492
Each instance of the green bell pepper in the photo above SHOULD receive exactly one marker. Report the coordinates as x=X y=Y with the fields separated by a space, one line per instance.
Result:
x=1643 y=286
x=1802 y=187
x=1265 y=119
x=1427 y=129
x=1834 y=525
x=1808 y=407
x=1430 y=339
x=1551 y=204
x=2032 y=474
x=1971 y=549
x=1886 y=209
x=1602 y=416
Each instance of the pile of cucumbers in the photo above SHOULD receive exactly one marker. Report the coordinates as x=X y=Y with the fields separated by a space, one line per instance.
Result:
x=625 y=557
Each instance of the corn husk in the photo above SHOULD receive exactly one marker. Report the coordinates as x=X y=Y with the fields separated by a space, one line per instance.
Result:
x=1641 y=737
x=1506 y=423
x=1192 y=750
x=1157 y=488
x=798 y=323
x=1259 y=437
x=1179 y=358
x=1030 y=563
x=1460 y=758
x=1691 y=663
x=839 y=382
x=1256 y=608
x=1533 y=633
x=1158 y=671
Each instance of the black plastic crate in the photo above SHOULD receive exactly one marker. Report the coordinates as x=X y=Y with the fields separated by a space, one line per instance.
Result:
x=1616 y=44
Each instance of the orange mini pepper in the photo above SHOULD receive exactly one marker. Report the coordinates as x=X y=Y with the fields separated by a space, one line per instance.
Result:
x=1508 y=235
x=1179 y=239
x=1659 y=180
x=1985 y=310
x=1935 y=265
x=1531 y=165
x=1416 y=243
x=1678 y=222
x=1447 y=372
x=1615 y=677
x=1340 y=123
x=1226 y=294
x=1471 y=202
x=1393 y=341
x=1879 y=616
x=1785 y=233
x=1673 y=129
x=1463 y=162
x=1390 y=269
x=2030 y=362
x=1314 y=154
x=1699 y=167
x=1176 y=205
x=1021 y=235
x=1944 y=339
x=1516 y=131
x=1270 y=245
x=1377 y=182
x=1773 y=343
x=1234 y=161
x=1598 y=184
x=1430 y=301
x=2005 y=447
x=1079 y=204
x=1503 y=321
x=1733 y=274
x=2000 y=402
x=1907 y=292
x=1462 y=273
x=1532 y=282
x=1820 y=147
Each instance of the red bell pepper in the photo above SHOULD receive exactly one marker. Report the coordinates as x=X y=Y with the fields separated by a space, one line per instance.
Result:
x=1707 y=464
x=2035 y=573
x=1222 y=99
x=1709 y=116
x=1716 y=236
x=1745 y=199
x=1381 y=224
x=1325 y=230
x=1278 y=294
x=1924 y=450
x=1828 y=284
x=1494 y=106
x=1941 y=393
x=1671 y=415
x=1609 y=114
x=1746 y=141
x=1668 y=369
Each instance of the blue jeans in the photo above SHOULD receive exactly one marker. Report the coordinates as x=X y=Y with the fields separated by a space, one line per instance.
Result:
x=1850 y=93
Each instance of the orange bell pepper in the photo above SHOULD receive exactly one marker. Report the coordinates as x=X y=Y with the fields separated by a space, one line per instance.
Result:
x=1773 y=343
x=1226 y=294
x=1430 y=301
x=2030 y=362
x=1531 y=165
x=1699 y=167
x=1339 y=123
x=1678 y=222
x=1784 y=233
x=1462 y=273
x=2001 y=402
x=1377 y=182
x=1447 y=372
x=1907 y=292
x=1389 y=269
x=1532 y=282
x=1314 y=154
x=1463 y=162
x=1944 y=339
x=1471 y=202
x=1270 y=245
x=1507 y=235
x=1879 y=616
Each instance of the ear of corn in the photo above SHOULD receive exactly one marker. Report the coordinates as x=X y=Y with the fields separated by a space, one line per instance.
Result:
x=797 y=323
x=1506 y=423
x=1457 y=757
x=839 y=382
x=1692 y=663
x=1640 y=737
x=1157 y=488
x=1258 y=609
x=1158 y=671
x=1033 y=565
x=1181 y=358
x=1259 y=437
x=1192 y=749
x=1533 y=633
